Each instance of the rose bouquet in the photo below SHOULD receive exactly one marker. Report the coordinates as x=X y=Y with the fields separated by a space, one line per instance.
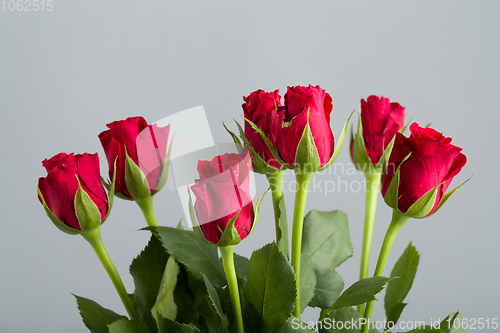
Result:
x=181 y=283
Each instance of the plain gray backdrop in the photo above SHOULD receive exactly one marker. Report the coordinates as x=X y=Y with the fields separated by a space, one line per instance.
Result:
x=65 y=74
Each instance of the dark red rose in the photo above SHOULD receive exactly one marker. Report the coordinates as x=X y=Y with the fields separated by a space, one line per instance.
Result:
x=261 y=108
x=59 y=188
x=433 y=163
x=306 y=106
x=146 y=145
x=380 y=120
x=222 y=191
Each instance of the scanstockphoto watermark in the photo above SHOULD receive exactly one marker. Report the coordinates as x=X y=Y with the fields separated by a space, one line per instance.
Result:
x=356 y=324
x=338 y=178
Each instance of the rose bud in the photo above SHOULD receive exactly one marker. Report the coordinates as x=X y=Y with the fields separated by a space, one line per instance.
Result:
x=419 y=172
x=261 y=109
x=306 y=140
x=223 y=213
x=72 y=193
x=140 y=153
x=379 y=121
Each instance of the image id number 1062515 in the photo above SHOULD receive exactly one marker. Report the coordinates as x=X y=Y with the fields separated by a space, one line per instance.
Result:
x=27 y=5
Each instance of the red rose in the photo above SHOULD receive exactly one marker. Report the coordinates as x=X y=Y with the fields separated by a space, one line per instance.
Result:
x=261 y=108
x=380 y=120
x=432 y=163
x=146 y=146
x=222 y=191
x=306 y=108
x=66 y=174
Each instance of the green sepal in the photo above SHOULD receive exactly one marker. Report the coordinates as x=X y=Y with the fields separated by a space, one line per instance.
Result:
x=268 y=143
x=307 y=157
x=111 y=190
x=423 y=205
x=135 y=180
x=230 y=235
x=391 y=196
x=236 y=140
x=361 y=160
x=194 y=219
x=447 y=196
x=87 y=213
x=258 y=162
x=165 y=168
x=60 y=225
x=407 y=124
x=340 y=143
x=256 y=211
x=165 y=305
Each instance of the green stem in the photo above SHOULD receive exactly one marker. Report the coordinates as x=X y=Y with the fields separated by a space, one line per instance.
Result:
x=232 y=283
x=276 y=182
x=398 y=220
x=303 y=180
x=372 y=187
x=95 y=240
x=146 y=206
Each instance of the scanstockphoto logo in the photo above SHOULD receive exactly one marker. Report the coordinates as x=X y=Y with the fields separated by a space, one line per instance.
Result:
x=190 y=141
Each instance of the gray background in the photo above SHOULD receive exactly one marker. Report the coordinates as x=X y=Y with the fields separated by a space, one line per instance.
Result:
x=65 y=74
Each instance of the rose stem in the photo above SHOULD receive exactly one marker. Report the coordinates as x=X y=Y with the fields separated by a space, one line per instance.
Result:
x=146 y=206
x=95 y=240
x=372 y=187
x=232 y=283
x=276 y=182
x=398 y=220
x=303 y=180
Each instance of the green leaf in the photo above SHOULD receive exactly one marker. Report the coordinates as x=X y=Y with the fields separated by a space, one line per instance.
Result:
x=169 y=326
x=447 y=196
x=326 y=239
x=165 y=305
x=128 y=326
x=195 y=254
x=361 y=158
x=94 y=316
x=147 y=270
x=214 y=297
x=294 y=325
x=329 y=286
x=257 y=211
x=270 y=288
x=391 y=195
x=241 y=265
x=344 y=320
x=264 y=137
x=283 y=226
x=402 y=276
x=307 y=282
x=361 y=292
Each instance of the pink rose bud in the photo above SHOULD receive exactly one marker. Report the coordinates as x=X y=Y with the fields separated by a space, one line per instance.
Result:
x=140 y=152
x=262 y=109
x=223 y=199
x=306 y=139
x=379 y=121
x=72 y=193
x=420 y=170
